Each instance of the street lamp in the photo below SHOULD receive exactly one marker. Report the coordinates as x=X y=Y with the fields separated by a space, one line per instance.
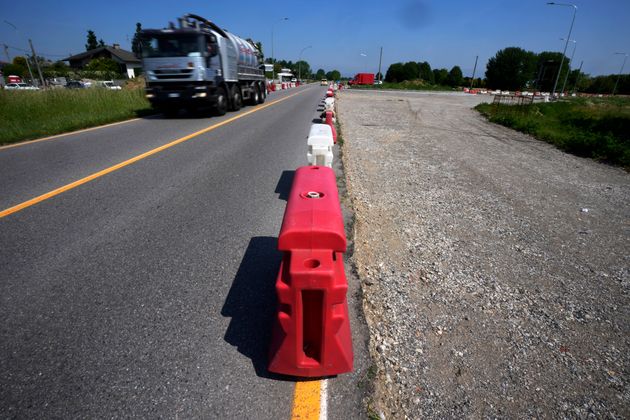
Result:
x=300 y=62
x=273 y=69
x=570 y=62
x=621 y=70
x=566 y=44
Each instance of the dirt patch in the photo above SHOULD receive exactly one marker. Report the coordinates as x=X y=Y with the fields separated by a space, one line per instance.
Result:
x=494 y=267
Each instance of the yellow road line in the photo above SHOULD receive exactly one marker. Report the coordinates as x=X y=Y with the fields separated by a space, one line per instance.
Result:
x=56 y=136
x=306 y=400
x=135 y=159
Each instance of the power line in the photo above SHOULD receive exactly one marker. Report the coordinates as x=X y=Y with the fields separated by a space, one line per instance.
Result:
x=40 y=54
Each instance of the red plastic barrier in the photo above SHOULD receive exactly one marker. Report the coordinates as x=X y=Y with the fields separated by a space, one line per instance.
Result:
x=311 y=336
x=330 y=94
x=329 y=121
x=273 y=87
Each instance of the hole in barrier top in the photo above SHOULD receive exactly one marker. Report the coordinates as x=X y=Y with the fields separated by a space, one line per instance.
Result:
x=312 y=194
x=311 y=263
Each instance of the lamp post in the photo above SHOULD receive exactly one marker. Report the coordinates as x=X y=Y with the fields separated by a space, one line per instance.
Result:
x=273 y=68
x=566 y=44
x=621 y=70
x=570 y=62
x=300 y=62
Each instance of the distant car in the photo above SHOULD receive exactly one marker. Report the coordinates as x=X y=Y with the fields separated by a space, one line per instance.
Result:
x=75 y=84
x=109 y=84
x=294 y=80
x=20 y=86
x=324 y=82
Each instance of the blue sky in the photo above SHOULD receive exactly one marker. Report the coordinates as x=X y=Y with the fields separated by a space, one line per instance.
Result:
x=347 y=37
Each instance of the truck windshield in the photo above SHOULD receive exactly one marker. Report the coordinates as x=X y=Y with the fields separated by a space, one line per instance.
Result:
x=172 y=45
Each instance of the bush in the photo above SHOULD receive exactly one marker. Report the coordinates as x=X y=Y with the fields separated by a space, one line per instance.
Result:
x=599 y=129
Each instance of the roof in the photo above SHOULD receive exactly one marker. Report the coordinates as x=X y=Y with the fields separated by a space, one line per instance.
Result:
x=123 y=55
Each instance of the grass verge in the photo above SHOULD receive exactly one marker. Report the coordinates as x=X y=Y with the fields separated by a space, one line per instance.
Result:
x=27 y=115
x=588 y=127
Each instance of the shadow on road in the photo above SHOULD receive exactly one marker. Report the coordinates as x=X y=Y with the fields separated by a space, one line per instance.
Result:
x=283 y=187
x=251 y=303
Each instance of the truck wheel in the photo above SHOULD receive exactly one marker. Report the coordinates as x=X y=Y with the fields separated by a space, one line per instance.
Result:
x=220 y=108
x=263 y=94
x=255 y=98
x=237 y=99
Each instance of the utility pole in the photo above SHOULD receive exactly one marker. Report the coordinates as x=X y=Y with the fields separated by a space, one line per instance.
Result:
x=6 y=52
x=39 y=70
x=28 y=66
x=577 y=79
x=380 y=61
x=474 y=71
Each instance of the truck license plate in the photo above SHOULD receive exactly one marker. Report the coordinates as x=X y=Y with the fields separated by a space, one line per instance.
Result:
x=173 y=95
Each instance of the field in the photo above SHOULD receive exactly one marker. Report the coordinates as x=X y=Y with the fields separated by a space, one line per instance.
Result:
x=598 y=128
x=406 y=85
x=29 y=115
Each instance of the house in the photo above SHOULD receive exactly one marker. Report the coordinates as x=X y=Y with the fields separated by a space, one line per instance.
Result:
x=126 y=59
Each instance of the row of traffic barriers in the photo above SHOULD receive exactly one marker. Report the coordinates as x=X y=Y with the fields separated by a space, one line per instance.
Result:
x=311 y=335
x=323 y=137
x=272 y=86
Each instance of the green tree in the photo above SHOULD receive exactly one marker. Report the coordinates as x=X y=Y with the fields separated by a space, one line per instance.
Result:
x=548 y=63
x=425 y=72
x=455 y=76
x=320 y=74
x=511 y=68
x=56 y=69
x=91 y=41
x=106 y=65
x=259 y=47
x=303 y=69
x=411 y=70
x=20 y=61
x=395 y=73
x=605 y=84
x=440 y=76
x=333 y=75
x=101 y=43
x=136 y=42
x=15 y=70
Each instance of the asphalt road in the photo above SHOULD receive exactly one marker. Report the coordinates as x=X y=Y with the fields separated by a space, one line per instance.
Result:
x=148 y=292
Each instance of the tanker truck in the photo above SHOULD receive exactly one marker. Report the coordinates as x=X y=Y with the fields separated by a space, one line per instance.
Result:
x=197 y=64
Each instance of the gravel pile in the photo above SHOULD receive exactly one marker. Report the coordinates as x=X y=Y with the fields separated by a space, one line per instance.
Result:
x=494 y=268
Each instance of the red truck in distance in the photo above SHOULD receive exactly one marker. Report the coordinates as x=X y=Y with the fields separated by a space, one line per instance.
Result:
x=362 y=79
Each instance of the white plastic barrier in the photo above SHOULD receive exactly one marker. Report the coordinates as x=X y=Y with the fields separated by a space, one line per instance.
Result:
x=320 y=144
x=329 y=104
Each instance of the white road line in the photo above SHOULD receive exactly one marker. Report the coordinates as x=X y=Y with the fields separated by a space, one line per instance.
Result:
x=323 y=400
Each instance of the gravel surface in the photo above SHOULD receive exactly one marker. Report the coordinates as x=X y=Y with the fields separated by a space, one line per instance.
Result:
x=494 y=268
